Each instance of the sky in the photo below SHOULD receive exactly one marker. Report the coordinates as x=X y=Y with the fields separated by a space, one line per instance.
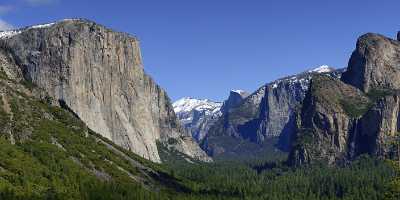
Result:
x=205 y=48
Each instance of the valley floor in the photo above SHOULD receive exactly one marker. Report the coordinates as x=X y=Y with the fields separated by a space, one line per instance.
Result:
x=365 y=178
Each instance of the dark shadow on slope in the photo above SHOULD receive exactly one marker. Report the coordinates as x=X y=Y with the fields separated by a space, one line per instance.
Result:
x=248 y=131
x=64 y=106
x=287 y=135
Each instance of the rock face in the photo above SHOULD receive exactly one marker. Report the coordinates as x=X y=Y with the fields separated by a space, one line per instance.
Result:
x=197 y=116
x=325 y=122
x=268 y=113
x=398 y=36
x=98 y=74
x=374 y=64
x=340 y=121
x=235 y=98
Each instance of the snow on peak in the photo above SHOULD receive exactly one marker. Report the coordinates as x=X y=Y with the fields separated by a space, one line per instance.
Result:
x=321 y=69
x=10 y=33
x=240 y=92
x=41 y=26
x=189 y=104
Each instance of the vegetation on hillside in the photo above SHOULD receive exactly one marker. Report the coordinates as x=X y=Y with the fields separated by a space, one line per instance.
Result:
x=48 y=153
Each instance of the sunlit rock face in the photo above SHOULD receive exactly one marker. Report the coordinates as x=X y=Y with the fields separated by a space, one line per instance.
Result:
x=98 y=74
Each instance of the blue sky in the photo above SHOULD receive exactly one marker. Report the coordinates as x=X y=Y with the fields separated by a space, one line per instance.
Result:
x=205 y=48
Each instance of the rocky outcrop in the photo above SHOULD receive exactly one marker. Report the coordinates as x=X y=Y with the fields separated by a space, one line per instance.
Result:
x=235 y=98
x=98 y=74
x=378 y=128
x=375 y=64
x=340 y=121
x=266 y=115
x=329 y=114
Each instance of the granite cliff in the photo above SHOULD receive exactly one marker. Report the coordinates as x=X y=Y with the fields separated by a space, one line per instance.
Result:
x=98 y=74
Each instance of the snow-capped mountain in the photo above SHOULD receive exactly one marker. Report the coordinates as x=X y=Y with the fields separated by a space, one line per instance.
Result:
x=197 y=115
x=189 y=104
x=303 y=79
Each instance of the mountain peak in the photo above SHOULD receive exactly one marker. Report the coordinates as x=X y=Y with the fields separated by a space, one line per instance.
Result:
x=238 y=91
x=242 y=93
x=374 y=63
x=197 y=115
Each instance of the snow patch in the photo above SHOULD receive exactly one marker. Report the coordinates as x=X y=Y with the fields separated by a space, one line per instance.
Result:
x=238 y=91
x=322 y=69
x=41 y=26
x=9 y=34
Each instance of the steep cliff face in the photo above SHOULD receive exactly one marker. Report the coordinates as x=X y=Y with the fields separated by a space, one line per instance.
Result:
x=340 y=121
x=378 y=128
x=375 y=64
x=328 y=116
x=98 y=74
x=264 y=116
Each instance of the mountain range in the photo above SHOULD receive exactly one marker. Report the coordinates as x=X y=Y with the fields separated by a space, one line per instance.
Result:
x=249 y=123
